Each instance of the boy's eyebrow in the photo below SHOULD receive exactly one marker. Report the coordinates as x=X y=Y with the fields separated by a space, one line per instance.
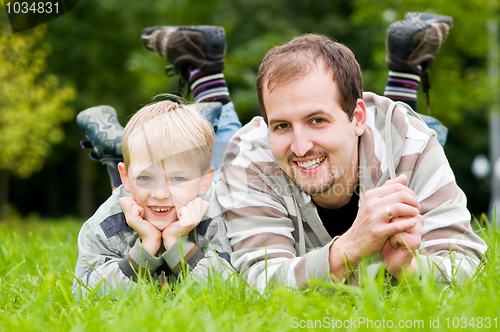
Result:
x=143 y=170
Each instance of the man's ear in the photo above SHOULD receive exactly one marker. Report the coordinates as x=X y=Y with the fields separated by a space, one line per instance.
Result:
x=206 y=181
x=359 y=116
x=124 y=176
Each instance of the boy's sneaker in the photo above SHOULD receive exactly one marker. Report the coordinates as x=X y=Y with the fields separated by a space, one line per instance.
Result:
x=203 y=46
x=104 y=134
x=416 y=40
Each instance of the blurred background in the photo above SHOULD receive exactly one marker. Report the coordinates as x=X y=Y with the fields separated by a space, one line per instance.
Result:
x=93 y=55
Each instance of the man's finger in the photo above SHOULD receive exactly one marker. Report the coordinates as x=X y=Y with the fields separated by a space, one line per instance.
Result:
x=388 y=188
x=397 y=210
x=402 y=225
x=400 y=179
x=395 y=240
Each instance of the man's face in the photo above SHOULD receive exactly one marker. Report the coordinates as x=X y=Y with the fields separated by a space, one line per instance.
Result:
x=311 y=136
x=164 y=187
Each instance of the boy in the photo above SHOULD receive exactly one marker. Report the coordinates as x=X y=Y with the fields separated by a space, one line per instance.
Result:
x=157 y=210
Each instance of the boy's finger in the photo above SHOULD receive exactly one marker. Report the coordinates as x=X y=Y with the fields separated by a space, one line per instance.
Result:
x=204 y=207
x=137 y=210
x=181 y=212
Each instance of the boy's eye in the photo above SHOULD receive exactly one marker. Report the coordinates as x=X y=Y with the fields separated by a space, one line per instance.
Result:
x=144 y=178
x=317 y=121
x=178 y=178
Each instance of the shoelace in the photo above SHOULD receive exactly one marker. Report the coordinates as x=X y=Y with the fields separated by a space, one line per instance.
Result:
x=425 y=87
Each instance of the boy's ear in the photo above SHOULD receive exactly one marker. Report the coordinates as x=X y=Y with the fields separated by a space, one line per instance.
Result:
x=123 y=175
x=206 y=181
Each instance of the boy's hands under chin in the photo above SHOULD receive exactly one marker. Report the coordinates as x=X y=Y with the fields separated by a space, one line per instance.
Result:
x=149 y=234
x=189 y=216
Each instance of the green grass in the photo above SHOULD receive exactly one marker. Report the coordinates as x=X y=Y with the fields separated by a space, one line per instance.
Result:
x=37 y=259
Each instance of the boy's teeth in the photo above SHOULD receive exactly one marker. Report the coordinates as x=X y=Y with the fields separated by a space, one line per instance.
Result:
x=311 y=163
x=161 y=209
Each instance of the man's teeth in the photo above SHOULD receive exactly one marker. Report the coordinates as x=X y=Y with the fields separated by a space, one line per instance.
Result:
x=311 y=163
x=161 y=209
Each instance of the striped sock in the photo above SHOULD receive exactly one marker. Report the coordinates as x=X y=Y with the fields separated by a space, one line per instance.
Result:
x=208 y=86
x=403 y=87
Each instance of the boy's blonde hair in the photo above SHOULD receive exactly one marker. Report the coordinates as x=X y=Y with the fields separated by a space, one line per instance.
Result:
x=170 y=130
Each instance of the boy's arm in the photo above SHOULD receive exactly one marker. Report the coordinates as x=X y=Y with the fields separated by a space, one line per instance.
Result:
x=205 y=249
x=110 y=254
x=179 y=238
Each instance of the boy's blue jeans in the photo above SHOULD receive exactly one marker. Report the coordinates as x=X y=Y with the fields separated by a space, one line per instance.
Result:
x=227 y=125
x=441 y=131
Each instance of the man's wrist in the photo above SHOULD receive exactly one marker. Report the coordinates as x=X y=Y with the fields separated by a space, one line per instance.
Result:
x=342 y=260
x=346 y=244
x=410 y=269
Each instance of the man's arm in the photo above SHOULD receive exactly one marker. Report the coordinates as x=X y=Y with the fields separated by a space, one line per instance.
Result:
x=373 y=225
x=261 y=222
x=266 y=229
x=449 y=249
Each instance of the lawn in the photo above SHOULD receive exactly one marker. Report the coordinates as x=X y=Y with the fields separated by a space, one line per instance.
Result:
x=37 y=258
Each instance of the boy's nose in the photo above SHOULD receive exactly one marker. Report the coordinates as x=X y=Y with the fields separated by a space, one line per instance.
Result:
x=163 y=192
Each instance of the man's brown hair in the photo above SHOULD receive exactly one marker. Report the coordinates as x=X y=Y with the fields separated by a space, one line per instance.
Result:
x=297 y=58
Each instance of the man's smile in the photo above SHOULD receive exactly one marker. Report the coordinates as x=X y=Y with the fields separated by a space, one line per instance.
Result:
x=310 y=164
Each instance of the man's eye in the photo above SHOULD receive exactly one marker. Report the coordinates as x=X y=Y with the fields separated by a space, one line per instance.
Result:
x=144 y=178
x=317 y=121
x=281 y=126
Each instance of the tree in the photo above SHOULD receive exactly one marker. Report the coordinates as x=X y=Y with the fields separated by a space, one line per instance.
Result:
x=32 y=105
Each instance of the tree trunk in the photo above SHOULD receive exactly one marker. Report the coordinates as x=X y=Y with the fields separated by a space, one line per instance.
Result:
x=4 y=191
x=85 y=175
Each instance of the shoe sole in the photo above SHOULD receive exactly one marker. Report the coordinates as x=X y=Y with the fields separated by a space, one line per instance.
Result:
x=102 y=129
x=210 y=111
x=214 y=35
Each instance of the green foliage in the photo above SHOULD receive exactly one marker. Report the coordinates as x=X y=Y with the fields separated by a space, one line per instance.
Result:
x=33 y=105
x=37 y=259
x=96 y=48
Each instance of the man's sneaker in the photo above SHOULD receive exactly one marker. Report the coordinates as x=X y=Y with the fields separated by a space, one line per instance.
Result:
x=415 y=40
x=203 y=46
x=104 y=133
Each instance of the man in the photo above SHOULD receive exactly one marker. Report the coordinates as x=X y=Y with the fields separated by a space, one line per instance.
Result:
x=331 y=176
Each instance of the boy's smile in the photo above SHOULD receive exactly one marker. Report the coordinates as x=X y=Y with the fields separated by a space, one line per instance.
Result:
x=161 y=189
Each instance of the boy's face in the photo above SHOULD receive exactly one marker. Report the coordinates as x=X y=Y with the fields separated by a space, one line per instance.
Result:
x=162 y=188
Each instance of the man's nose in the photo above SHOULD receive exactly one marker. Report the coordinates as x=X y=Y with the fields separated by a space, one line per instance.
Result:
x=301 y=143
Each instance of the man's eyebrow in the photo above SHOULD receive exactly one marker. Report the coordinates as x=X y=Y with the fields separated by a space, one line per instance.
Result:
x=319 y=112
x=272 y=122
x=308 y=116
